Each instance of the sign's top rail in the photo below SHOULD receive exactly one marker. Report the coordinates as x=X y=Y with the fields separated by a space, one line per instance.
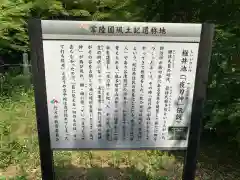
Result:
x=140 y=30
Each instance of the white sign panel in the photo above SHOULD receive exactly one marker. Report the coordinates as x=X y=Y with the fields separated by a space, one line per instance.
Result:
x=120 y=87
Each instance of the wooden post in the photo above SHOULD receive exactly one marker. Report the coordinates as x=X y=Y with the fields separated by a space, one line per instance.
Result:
x=26 y=70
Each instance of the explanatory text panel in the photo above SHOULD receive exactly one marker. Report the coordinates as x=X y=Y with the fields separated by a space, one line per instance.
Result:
x=117 y=95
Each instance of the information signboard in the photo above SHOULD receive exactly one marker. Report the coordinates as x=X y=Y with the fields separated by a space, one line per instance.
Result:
x=118 y=85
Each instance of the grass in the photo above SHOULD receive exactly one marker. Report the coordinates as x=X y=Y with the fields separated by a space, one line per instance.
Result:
x=19 y=158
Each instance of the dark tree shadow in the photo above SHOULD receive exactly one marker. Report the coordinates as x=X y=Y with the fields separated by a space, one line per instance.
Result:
x=217 y=157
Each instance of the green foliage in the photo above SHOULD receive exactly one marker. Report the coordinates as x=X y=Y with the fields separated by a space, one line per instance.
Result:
x=223 y=99
x=81 y=12
x=13 y=35
x=15 y=13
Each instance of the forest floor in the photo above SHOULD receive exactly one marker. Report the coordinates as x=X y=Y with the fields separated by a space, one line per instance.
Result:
x=19 y=158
